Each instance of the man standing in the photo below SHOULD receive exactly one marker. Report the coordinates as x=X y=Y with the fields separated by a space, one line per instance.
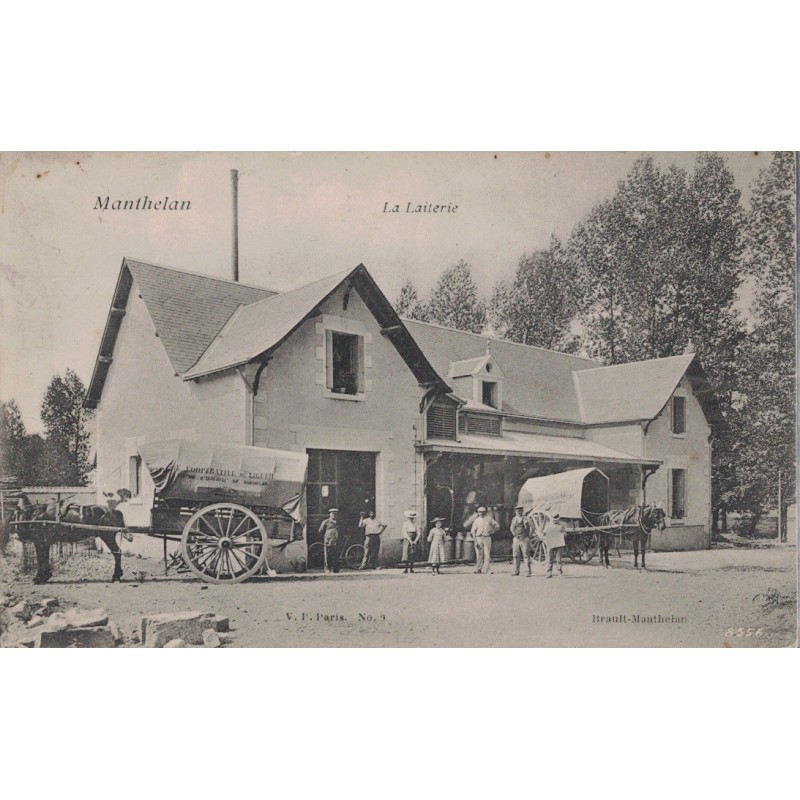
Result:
x=521 y=544
x=410 y=539
x=555 y=541
x=482 y=530
x=373 y=529
x=329 y=530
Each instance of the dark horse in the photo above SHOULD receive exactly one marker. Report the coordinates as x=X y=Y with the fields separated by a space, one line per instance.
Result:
x=45 y=535
x=646 y=518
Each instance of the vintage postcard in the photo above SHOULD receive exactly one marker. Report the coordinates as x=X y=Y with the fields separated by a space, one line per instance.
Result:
x=398 y=399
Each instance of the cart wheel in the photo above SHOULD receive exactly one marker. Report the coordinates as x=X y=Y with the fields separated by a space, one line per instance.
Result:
x=224 y=543
x=538 y=550
x=354 y=556
x=582 y=548
x=316 y=555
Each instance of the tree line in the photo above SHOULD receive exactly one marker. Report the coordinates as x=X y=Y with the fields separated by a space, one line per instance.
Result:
x=654 y=270
x=62 y=456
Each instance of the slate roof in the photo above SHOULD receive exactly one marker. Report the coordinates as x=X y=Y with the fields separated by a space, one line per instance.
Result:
x=189 y=310
x=634 y=391
x=255 y=328
x=536 y=382
x=208 y=324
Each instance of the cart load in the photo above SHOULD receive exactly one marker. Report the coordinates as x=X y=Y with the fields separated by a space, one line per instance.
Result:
x=205 y=472
x=573 y=495
x=579 y=497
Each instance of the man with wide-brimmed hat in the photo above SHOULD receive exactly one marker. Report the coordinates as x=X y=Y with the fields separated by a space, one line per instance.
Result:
x=329 y=531
x=482 y=530
x=521 y=543
x=555 y=541
x=410 y=538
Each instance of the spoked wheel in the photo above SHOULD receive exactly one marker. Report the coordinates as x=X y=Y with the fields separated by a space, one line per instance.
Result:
x=354 y=556
x=538 y=550
x=224 y=543
x=316 y=555
x=582 y=548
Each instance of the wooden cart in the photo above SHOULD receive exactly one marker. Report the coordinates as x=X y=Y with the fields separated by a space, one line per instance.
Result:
x=227 y=505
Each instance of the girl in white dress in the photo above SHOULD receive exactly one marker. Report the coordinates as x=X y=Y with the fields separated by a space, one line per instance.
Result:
x=436 y=538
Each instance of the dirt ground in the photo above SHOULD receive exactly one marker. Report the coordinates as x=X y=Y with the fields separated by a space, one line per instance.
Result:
x=717 y=598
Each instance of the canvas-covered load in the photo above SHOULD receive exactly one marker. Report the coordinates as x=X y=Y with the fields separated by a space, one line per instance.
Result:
x=573 y=494
x=206 y=472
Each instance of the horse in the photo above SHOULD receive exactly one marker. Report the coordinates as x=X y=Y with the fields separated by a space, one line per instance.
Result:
x=647 y=518
x=45 y=535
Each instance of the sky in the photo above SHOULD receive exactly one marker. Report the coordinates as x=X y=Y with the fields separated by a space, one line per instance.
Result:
x=301 y=216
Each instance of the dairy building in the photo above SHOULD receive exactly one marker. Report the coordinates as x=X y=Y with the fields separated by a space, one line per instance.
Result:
x=393 y=413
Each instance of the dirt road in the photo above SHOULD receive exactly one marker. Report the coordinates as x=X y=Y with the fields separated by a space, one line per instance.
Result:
x=717 y=598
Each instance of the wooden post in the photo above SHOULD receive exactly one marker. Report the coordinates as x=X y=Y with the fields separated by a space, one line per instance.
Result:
x=780 y=503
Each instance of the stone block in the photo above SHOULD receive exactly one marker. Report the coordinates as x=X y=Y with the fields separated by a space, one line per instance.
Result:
x=116 y=632
x=175 y=643
x=98 y=636
x=77 y=618
x=222 y=624
x=211 y=639
x=187 y=625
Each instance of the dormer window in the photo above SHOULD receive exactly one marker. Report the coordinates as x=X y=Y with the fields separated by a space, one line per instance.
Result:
x=479 y=381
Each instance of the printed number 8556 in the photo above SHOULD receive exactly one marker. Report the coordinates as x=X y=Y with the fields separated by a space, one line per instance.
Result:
x=744 y=632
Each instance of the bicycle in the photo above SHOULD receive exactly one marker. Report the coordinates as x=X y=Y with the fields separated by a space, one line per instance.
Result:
x=350 y=554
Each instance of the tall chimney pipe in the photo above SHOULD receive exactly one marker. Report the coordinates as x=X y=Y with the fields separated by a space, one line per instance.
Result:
x=235 y=242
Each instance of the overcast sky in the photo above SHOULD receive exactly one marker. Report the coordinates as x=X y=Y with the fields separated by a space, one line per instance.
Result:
x=301 y=216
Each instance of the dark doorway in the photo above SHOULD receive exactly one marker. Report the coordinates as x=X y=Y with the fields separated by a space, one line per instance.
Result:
x=341 y=479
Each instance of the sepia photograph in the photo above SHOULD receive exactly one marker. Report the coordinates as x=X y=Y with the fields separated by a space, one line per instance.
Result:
x=398 y=399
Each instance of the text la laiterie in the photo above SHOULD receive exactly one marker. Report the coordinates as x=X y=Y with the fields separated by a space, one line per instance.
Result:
x=420 y=208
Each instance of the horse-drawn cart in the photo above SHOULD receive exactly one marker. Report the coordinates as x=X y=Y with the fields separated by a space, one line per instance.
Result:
x=227 y=505
x=580 y=497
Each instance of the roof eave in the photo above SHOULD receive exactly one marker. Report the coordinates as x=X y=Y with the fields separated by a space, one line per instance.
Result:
x=105 y=353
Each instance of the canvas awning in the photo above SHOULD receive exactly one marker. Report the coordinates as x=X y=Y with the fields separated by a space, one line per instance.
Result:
x=208 y=472
x=532 y=445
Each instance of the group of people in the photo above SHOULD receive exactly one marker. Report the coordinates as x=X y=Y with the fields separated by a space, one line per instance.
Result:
x=482 y=529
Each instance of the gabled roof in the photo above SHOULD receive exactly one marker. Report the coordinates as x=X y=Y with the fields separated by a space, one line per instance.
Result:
x=461 y=369
x=187 y=309
x=207 y=324
x=258 y=327
x=624 y=392
x=536 y=382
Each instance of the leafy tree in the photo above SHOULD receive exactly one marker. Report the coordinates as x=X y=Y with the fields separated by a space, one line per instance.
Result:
x=408 y=303
x=539 y=305
x=65 y=421
x=768 y=388
x=661 y=263
x=12 y=441
x=454 y=302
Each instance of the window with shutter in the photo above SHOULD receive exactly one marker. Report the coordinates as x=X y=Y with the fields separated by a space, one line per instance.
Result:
x=442 y=421
x=678 y=415
x=481 y=424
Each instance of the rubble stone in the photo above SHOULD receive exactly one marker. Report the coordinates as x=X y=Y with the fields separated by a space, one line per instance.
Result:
x=96 y=618
x=116 y=632
x=222 y=624
x=187 y=625
x=97 y=636
x=211 y=639
x=175 y=643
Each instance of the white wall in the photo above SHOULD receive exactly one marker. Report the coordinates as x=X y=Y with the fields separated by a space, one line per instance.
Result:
x=294 y=411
